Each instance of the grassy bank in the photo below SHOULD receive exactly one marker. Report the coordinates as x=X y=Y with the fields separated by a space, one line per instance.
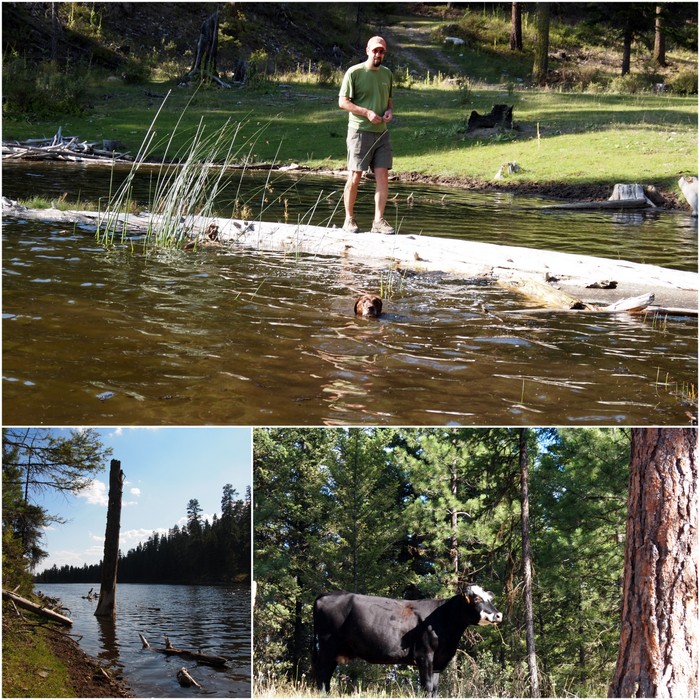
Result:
x=29 y=667
x=39 y=661
x=568 y=138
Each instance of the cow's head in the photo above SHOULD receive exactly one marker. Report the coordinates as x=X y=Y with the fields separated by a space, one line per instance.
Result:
x=480 y=601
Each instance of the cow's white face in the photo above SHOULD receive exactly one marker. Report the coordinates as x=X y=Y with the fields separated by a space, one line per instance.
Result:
x=482 y=599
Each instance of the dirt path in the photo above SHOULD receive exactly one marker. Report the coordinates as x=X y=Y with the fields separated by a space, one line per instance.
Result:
x=411 y=37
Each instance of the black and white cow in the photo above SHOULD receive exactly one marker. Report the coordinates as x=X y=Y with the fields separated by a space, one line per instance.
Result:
x=386 y=631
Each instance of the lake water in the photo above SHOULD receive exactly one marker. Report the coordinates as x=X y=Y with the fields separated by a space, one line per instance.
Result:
x=126 y=336
x=215 y=620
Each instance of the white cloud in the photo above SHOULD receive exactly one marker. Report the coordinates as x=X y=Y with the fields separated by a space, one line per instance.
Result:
x=135 y=491
x=95 y=493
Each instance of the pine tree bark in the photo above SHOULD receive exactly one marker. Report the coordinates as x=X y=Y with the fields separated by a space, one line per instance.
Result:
x=658 y=654
x=527 y=566
x=516 y=27
x=659 y=38
x=108 y=587
x=541 y=65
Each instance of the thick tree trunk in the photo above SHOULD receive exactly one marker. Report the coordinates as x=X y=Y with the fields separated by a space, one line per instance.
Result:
x=527 y=567
x=541 y=65
x=658 y=654
x=516 y=27
x=659 y=38
x=108 y=587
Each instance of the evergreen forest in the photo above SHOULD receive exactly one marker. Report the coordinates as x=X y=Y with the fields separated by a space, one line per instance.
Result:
x=415 y=513
x=199 y=552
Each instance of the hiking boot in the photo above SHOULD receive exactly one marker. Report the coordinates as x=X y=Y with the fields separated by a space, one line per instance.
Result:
x=382 y=226
x=350 y=225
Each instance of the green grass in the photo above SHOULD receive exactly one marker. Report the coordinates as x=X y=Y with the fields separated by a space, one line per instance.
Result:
x=29 y=667
x=583 y=138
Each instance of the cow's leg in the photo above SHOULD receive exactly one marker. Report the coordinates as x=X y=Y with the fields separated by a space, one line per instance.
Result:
x=324 y=664
x=436 y=684
x=426 y=675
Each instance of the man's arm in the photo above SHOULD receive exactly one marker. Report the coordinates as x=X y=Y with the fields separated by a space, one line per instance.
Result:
x=349 y=106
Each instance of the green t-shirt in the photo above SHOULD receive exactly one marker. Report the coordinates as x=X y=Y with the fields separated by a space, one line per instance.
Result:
x=370 y=89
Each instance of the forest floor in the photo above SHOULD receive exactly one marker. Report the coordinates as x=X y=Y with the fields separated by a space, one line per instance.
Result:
x=39 y=660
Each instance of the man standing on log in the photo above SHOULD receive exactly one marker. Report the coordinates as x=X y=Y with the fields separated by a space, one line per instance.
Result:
x=366 y=94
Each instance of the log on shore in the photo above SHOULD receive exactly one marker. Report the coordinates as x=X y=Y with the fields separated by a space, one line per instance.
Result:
x=36 y=608
x=170 y=650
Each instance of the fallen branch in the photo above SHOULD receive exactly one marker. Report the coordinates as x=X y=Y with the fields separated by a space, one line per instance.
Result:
x=35 y=608
x=170 y=650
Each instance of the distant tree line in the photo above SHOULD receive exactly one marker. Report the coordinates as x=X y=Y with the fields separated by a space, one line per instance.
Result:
x=198 y=552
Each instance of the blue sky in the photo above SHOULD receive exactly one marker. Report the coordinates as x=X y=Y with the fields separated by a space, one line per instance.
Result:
x=164 y=468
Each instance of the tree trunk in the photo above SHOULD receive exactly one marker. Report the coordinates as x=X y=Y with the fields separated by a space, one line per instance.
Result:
x=541 y=65
x=658 y=654
x=516 y=27
x=108 y=587
x=527 y=567
x=659 y=38
x=627 y=50
x=454 y=522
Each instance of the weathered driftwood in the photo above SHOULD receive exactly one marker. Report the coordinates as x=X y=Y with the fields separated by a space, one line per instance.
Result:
x=65 y=148
x=185 y=680
x=551 y=297
x=170 y=650
x=624 y=196
x=36 y=608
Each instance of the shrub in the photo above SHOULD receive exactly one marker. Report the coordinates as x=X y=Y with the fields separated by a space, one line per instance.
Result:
x=685 y=83
x=41 y=90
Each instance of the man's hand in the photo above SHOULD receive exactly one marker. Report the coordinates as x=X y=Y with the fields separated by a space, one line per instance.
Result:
x=374 y=117
x=388 y=115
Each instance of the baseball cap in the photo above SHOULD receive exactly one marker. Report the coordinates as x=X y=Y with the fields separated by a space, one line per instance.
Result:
x=376 y=41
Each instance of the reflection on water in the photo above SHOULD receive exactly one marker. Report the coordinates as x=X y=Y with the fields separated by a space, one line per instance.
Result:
x=213 y=619
x=237 y=337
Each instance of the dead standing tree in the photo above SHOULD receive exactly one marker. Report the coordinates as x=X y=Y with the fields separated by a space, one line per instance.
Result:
x=204 y=66
x=108 y=588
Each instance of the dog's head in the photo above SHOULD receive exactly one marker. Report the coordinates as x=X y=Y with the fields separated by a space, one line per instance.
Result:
x=368 y=305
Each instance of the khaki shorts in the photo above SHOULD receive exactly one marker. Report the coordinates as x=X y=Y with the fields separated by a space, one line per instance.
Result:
x=368 y=149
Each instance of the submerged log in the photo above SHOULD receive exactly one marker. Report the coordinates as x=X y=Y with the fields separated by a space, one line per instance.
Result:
x=551 y=297
x=36 y=608
x=170 y=650
x=185 y=680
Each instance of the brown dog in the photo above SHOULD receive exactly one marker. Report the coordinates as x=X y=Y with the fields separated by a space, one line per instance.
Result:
x=368 y=305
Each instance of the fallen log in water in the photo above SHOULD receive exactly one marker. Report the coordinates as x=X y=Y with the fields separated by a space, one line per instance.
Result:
x=409 y=252
x=36 y=608
x=170 y=650
x=551 y=297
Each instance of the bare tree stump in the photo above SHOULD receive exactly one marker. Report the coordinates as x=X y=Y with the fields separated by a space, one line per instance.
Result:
x=499 y=116
x=204 y=66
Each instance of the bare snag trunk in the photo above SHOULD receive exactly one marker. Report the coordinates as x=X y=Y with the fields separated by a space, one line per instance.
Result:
x=108 y=587
x=658 y=654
